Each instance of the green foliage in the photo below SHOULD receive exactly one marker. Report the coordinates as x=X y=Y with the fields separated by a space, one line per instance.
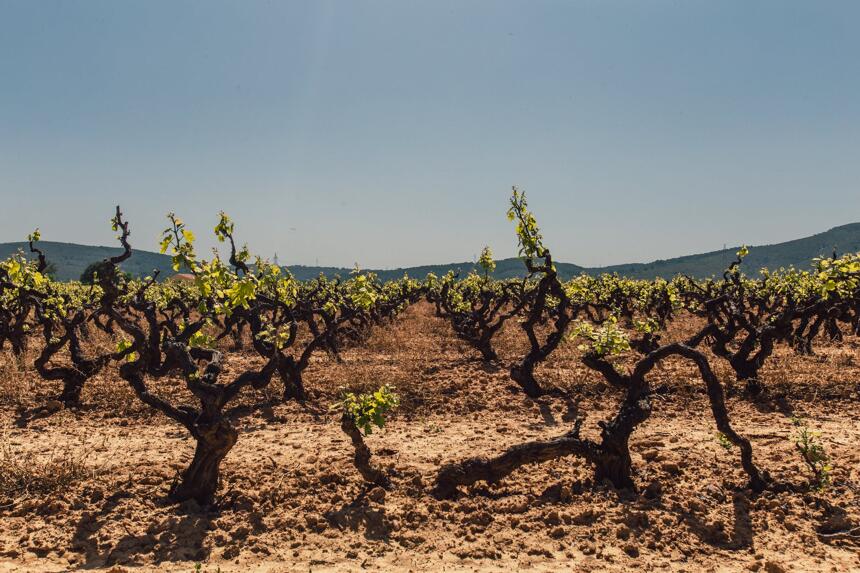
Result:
x=369 y=409
x=222 y=289
x=808 y=443
x=224 y=228
x=240 y=293
x=724 y=441
x=528 y=234
x=124 y=345
x=200 y=340
x=182 y=242
x=838 y=277
x=22 y=273
x=224 y=231
x=361 y=291
x=646 y=325
x=277 y=336
x=486 y=262
x=607 y=339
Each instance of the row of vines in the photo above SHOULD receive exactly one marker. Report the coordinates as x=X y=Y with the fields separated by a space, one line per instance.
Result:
x=162 y=329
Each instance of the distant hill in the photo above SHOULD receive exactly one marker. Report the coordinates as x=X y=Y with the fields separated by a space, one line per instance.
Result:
x=797 y=253
x=71 y=260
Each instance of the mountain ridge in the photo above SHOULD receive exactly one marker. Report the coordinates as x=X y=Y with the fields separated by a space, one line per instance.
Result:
x=70 y=259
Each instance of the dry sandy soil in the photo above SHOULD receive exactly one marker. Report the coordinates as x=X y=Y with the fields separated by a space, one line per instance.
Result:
x=86 y=489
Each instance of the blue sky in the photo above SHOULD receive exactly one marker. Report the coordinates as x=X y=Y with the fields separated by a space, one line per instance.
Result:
x=389 y=133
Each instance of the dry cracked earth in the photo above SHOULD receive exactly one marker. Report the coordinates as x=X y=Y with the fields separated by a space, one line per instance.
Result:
x=86 y=489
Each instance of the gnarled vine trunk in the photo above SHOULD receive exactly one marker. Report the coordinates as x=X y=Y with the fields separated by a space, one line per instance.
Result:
x=362 y=454
x=612 y=460
x=199 y=481
x=70 y=395
x=492 y=470
x=524 y=375
x=611 y=456
x=291 y=375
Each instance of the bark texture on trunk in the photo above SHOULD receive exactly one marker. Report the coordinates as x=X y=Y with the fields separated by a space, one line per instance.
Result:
x=362 y=454
x=200 y=480
x=611 y=456
x=291 y=375
x=524 y=375
x=492 y=470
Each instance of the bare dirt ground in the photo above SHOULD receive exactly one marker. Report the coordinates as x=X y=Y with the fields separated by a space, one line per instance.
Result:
x=291 y=500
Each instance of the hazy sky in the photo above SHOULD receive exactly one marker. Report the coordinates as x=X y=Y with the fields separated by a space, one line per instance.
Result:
x=389 y=133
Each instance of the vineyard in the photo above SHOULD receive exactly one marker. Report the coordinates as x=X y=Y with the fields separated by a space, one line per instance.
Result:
x=240 y=419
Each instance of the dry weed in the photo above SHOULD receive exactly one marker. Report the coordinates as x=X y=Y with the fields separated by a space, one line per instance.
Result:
x=24 y=475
